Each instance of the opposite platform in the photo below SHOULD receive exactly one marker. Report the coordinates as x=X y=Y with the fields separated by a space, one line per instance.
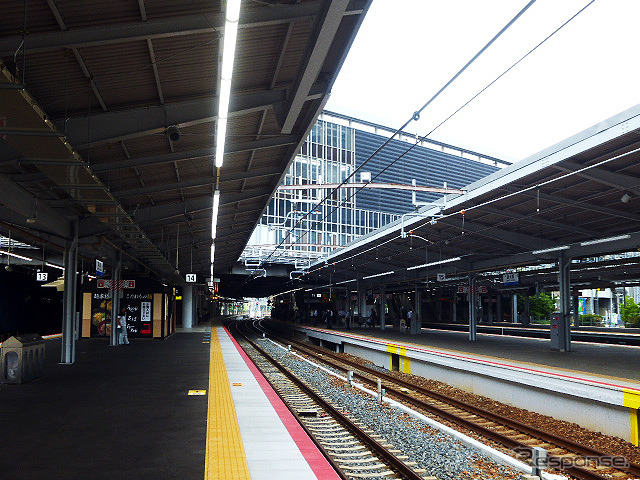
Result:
x=574 y=386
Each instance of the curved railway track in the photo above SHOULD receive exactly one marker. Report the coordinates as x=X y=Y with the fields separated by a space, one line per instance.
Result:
x=578 y=460
x=353 y=451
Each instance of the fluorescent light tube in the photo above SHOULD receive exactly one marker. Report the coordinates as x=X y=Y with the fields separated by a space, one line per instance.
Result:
x=552 y=249
x=224 y=98
x=431 y=264
x=345 y=281
x=214 y=214
x=379 y=274
x=233 y=10
x=605 y=240
x=232 y=15
x=54 y=265
x=221 y=133
x=229 y=50
x=11 y=254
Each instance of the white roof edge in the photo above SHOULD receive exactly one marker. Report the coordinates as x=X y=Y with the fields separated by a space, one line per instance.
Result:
x=591 y=137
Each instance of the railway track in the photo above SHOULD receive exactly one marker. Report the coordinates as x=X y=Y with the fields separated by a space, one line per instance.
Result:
x=354 y=451
x=577 y=460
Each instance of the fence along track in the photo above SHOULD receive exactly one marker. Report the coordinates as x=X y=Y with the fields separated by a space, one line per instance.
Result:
x=354 y=451
x=505 y=431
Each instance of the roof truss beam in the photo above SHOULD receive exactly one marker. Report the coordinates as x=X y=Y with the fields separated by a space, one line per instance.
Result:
x=326 y=27
x=605 y=177
x=167 y=27
x=520 y=240
x=122 y=125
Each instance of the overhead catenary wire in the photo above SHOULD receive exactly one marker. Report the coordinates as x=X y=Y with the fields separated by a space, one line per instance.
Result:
x=424 y=137
x=414 y=117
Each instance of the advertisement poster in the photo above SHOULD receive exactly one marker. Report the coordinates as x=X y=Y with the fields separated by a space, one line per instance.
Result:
x=138 y=308
x=101 y=314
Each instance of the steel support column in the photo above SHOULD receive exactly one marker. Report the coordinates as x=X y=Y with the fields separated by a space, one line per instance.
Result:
x=187 y=306
x=68 y=354
x=454 y=308
x=115 y=302
x=490 y=308
x=514 y=308
x=416 y=321
x=499 y=313
x=383 y=304
x=576 y=311
x=564 y=265
x=473 y=325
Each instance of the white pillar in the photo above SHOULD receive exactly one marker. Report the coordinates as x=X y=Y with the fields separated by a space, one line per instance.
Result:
x=187 y=306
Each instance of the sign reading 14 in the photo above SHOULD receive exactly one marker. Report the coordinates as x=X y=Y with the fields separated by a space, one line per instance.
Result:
x=191 y=278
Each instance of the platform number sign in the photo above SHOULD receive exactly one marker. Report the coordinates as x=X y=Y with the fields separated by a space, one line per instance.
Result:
x=42 y=276
x=442 y=277
x=191 y=278
x=99 y=267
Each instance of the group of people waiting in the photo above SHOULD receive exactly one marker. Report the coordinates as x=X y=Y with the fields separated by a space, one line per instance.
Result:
x=329 y=317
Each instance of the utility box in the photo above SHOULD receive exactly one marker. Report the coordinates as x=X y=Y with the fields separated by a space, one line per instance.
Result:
x=555 y=331
x=21 y=358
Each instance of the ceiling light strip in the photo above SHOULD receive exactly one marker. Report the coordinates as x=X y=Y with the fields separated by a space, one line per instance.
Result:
x=431 y=264
x=11 y=254
x=391 y=272
x=345 y=281
x=226 y=73
x=54 y=265
x=604 y=240
x=552 y=249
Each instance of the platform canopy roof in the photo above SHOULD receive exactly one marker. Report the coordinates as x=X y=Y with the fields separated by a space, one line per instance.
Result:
x=91 y=98
x=579 y=198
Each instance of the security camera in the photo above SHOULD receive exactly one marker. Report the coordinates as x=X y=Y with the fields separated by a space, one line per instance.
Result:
x=173 y=133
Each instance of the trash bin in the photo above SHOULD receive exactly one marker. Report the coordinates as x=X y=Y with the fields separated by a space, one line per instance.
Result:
x=21 y=358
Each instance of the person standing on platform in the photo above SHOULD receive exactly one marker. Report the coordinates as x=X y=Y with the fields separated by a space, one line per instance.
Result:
x=122 y=327
x=409 y=318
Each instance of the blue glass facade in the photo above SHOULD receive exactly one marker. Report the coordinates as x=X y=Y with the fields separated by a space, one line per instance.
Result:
x=304 y=227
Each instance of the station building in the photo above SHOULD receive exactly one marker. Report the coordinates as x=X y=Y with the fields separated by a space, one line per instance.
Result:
x=341 y=148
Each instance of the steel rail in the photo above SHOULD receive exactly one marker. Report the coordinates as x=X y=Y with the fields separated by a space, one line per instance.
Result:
x=394 y=463
x=561 y=442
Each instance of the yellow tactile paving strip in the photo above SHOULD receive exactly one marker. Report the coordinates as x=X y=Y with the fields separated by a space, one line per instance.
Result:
x=225 y=457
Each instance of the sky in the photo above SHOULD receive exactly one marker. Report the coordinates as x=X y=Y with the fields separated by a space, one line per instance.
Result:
x=406 y=50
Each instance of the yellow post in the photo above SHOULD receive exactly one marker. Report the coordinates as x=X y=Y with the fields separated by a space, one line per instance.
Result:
x=632 y=400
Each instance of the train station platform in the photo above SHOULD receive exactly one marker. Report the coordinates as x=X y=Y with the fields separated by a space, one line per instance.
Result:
x=595 y=385
x=591 y=359
x=126 y=412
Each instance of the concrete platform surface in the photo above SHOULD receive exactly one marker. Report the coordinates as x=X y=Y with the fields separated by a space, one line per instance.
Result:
x=613 y=361
x=118 y=412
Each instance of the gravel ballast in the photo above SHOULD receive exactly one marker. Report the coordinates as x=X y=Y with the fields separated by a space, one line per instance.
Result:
x=436 y=452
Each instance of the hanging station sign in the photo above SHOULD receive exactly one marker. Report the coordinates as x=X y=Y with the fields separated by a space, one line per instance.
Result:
x=190 y=278
x=99 y=267
x=510 y=279
x=42 y=276
x=441 y=277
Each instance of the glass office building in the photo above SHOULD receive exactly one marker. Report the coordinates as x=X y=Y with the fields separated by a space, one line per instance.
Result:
x=302 y=224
